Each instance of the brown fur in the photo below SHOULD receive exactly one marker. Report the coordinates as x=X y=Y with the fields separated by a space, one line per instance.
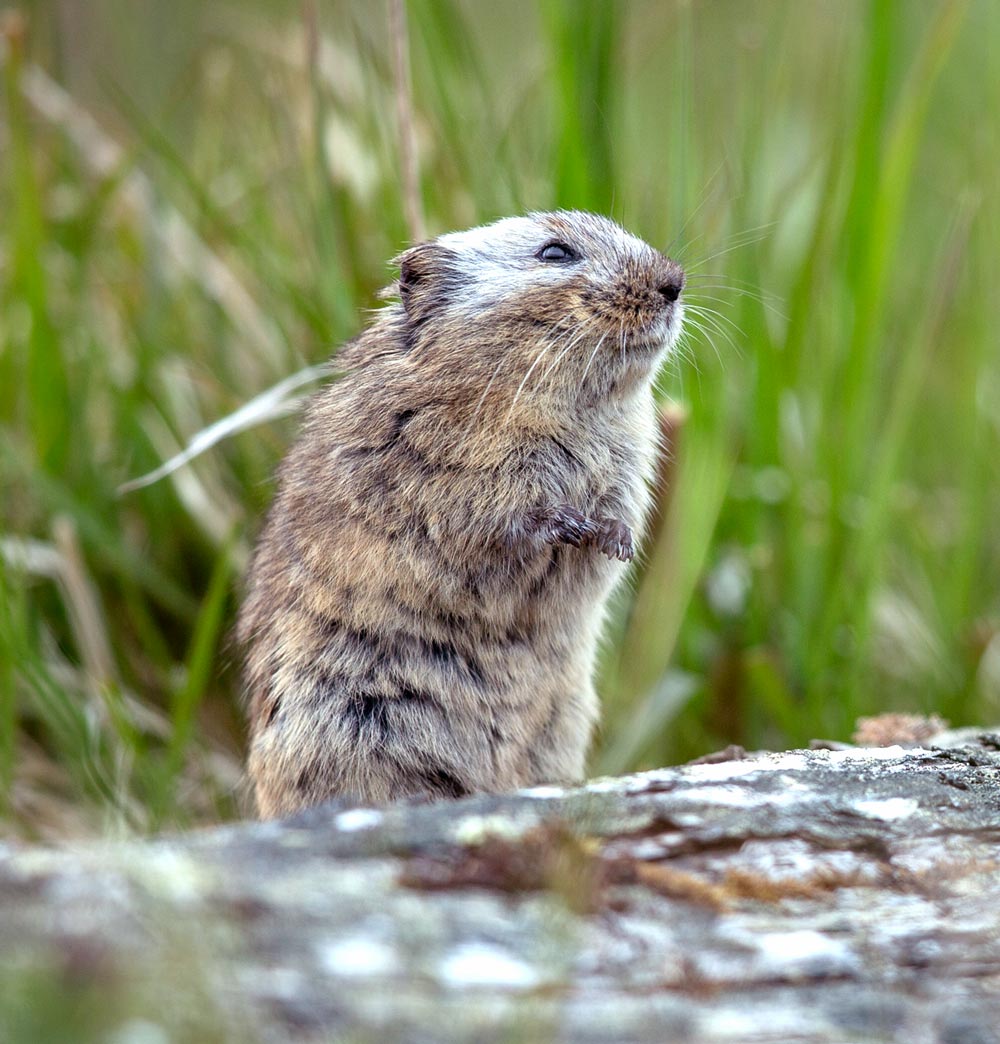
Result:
x=426 y=597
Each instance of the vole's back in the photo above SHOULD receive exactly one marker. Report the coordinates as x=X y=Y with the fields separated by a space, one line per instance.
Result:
x=425 y=600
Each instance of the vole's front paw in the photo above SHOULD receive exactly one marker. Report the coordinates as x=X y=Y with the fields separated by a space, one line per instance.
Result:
x=614 y=539
x=569 y=526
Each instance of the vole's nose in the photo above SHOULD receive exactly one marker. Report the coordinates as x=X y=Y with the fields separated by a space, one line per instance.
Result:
x=671 y=290
x=669 y=279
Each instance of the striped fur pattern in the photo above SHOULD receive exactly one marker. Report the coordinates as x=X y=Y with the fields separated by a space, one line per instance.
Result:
x=426 y=597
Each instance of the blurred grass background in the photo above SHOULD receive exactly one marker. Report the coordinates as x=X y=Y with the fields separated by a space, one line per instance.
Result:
x=198 y=200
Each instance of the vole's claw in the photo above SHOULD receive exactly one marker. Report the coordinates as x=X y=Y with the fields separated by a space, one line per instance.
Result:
x=614 y=539
x=569 y=526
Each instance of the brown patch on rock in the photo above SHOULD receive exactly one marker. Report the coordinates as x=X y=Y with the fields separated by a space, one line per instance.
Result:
x=885 y=730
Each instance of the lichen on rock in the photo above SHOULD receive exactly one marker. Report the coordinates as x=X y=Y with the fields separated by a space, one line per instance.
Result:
x=815 y=896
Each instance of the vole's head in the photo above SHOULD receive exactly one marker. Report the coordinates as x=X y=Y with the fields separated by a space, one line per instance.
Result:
x=564 y=304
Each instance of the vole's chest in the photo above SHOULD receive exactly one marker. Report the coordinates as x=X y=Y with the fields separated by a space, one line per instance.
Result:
x=599 y=474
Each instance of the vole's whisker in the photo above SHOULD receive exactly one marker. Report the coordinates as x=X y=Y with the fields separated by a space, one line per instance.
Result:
x=706 y=333
x=685 y=352
x=538 y=358
x=733 y=239
x=750 y=236
x=708 y=316
x=730 y=281
x=486 y=390
x=695 y=364
x=564 y=336
x=546 y=344
x=698 y=281
x=722 y=323
x=580 y=331
x=759 y=298
x=593 y=355
x=706 y=195
x=721 y=317
x=689 y=297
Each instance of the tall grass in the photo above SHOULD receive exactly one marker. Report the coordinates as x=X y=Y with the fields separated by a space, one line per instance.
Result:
x=196 y=207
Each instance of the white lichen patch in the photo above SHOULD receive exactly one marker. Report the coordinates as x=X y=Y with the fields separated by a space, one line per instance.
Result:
x=544 y=792
x=887 y=808
x=747 y=767
x=795 y=859
x=607 y=784
x=804 y=952
x=736 y=797
x=894 y=753
x=688 y=819
x=482 y=964
x=358 y=819
x=737 y=1024
x=474 y=830
x=172 y=875
x=359 y=957
x=905 y=916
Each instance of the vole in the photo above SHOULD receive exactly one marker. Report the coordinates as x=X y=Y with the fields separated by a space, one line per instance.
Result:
x=426 y=597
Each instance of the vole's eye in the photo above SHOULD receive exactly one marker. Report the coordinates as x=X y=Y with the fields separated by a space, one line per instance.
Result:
x=556 y=252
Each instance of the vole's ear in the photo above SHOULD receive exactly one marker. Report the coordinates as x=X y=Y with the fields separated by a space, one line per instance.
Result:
x=424 y=276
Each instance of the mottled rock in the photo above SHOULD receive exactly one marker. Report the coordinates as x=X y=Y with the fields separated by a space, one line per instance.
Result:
x=810 y=896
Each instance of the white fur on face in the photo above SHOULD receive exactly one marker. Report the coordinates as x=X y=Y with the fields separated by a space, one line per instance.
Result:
x=669 y=329
x=500 y=259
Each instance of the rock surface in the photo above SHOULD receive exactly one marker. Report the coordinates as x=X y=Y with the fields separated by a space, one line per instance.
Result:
x=811 y=896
